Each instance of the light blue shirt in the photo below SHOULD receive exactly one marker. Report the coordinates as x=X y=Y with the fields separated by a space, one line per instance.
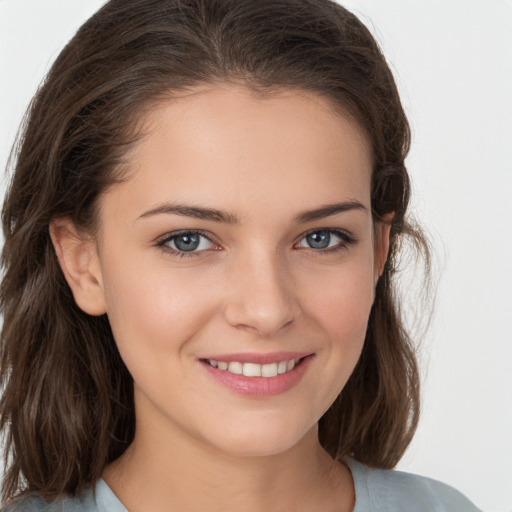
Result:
x=380 y=490
x=377 y=490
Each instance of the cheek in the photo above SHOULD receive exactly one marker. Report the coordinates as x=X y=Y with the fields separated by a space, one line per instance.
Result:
x=154 y=311
x=341 y=300
x=340 y=306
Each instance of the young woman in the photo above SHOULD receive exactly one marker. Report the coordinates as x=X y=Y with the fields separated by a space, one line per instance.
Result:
x=201 y=235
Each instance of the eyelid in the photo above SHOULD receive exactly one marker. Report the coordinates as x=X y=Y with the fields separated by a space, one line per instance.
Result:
x=346 y=237
x=161 y=242
x=173 y=234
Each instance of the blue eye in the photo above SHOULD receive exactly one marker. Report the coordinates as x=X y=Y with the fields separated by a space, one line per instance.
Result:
x=325 y=239
x=187 y=242
x=319 y=239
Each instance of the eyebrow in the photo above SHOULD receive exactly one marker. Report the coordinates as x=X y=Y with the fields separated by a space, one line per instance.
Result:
x=193 y=211
x=328 y=210
x=214 y=215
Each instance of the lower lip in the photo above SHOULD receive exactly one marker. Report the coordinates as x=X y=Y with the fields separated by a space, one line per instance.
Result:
x=260 y=386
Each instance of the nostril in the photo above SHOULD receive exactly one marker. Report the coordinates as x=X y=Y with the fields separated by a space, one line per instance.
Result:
x=265 y=319
x=261 y=296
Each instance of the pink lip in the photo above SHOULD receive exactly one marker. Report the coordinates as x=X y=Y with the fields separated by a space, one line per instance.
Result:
x=259 y=386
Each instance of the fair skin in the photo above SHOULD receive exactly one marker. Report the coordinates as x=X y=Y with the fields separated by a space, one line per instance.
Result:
x=219 y=248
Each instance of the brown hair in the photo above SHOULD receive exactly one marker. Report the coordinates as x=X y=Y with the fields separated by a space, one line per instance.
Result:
x=67 y=405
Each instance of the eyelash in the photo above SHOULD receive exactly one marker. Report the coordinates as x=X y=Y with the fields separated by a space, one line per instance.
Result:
x=175 y=235
x=345 y=237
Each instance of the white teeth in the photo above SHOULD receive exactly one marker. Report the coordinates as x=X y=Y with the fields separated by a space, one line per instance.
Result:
x=235 y=367
x=269 y=370
x=254 y=369
x=281 y=367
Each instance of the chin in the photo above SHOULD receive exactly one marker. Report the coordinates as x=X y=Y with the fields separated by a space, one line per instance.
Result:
x=262 y=438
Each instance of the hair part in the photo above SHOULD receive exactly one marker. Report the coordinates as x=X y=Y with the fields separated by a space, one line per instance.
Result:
x=67 y=405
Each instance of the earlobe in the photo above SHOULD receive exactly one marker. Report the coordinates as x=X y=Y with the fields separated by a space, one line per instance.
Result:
x=382 y=240
x=78 y=259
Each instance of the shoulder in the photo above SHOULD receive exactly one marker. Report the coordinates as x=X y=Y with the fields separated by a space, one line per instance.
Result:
x=98 y=498
x=38 y=504
x=382 y=490
x=34 y=503
x=26 y=504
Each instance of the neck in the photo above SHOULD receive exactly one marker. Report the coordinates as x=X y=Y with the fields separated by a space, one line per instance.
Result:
x=183 y=473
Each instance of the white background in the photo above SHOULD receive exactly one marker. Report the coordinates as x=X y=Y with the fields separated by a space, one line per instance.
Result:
x=453 y=64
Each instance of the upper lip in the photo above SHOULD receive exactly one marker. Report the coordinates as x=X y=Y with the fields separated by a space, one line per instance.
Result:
x=258 y=358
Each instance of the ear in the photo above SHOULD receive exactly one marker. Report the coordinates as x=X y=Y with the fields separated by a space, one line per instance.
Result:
x=382 y=229
x=79 y=261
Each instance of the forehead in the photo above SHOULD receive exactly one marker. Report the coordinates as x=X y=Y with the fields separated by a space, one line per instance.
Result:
x=225 y=144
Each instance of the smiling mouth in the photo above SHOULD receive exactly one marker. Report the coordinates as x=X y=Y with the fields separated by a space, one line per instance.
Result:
x=268 y=370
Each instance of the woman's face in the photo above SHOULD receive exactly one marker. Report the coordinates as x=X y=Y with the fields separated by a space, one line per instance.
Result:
x=242 y=238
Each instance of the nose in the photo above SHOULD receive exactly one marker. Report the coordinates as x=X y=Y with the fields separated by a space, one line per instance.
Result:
x=261 y=295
